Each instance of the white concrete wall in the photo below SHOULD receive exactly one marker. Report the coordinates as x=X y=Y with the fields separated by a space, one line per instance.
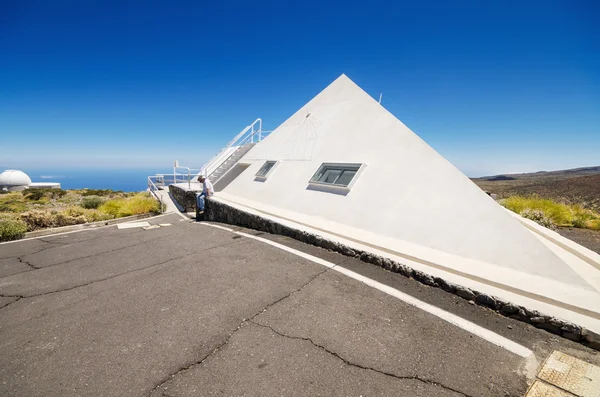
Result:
x=406 y=192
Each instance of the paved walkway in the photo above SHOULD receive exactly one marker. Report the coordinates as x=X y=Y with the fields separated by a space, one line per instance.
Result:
x=194 y=310
x=171 y=205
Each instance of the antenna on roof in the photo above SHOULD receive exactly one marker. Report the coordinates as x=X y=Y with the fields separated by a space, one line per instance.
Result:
x=380 y=95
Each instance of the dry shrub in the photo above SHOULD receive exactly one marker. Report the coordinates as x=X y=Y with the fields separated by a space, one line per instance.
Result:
x=40 y=219
x=548 y=212
x=11 y=229
x=539 y=217
x=92 y=202
x=593 y=224
x=12 y=202
x=141 y=203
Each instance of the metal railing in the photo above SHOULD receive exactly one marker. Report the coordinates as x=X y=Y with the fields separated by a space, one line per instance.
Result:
x=248 y=133
x=162 y=180
x=189 y=174
x=153 y=189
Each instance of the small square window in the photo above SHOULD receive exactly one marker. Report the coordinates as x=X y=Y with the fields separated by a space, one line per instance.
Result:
x=266 y=169
x=340 y=175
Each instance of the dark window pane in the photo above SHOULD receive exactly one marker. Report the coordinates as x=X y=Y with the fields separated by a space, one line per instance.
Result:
x=346 y=177
x=335 y=174
x=264 y=170
x=330 y=176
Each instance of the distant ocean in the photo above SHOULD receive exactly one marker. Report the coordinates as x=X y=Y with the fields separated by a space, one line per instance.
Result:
x=127 y=180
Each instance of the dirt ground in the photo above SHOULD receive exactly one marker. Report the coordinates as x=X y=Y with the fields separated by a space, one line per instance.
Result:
x=584 y=190
x=588 y=238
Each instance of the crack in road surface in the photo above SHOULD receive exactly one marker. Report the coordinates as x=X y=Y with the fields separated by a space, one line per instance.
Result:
x=228 y=338
x=18 y=298
x=33 y=267
x=111 y=277
x=105 y=252
x=349 y=363
x=53 y=242
x=32 y=253
x=265 y=308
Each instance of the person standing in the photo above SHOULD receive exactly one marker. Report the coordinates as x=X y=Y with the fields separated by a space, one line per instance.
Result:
x=207 y=191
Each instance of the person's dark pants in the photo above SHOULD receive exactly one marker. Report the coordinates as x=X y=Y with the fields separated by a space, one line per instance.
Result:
x=200 y=201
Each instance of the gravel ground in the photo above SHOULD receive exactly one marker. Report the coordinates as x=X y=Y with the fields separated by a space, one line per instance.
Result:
x=588 y=238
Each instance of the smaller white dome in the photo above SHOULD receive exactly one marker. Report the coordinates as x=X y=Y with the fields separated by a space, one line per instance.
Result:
x=10 y=178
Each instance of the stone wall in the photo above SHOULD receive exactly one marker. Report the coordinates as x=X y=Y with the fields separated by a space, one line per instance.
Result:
x=219 y=212
x=185 y=198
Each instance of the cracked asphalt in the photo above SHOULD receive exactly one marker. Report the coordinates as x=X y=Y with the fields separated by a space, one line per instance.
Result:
x=192 y=310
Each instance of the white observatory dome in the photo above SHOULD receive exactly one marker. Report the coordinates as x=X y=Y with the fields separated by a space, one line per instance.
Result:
x=14 y=180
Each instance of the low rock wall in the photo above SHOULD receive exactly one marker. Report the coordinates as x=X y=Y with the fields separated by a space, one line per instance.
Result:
x=185 y=198
x=218 y=212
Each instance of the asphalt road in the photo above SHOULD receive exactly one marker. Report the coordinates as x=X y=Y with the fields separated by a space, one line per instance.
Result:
x=192 y=310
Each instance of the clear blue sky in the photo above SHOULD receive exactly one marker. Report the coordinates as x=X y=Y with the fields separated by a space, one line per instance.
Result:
x=493 y=86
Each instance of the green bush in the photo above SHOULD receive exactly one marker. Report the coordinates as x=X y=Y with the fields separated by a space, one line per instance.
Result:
x=92 y=202
x=12 y=229
x=100 y=192
x=141 y=203
x=548 y=212
x=57 y=193
x=37 y=194
x=34 y=194
x=12 y=202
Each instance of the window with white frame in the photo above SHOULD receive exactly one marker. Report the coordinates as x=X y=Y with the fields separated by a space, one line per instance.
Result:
x=266 y=169
x=336 y=174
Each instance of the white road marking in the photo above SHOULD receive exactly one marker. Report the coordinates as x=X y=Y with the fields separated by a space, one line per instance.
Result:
x=453 y=319
x=132 y=225
x=218 y=227
x=185 y=218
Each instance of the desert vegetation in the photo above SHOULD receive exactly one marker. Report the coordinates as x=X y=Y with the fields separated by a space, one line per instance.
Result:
x=564 y=198
x=572 y=187
x=551 y=214
x=35 y=209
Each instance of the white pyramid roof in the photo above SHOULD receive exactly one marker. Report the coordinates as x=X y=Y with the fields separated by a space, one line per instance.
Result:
x=407 y=199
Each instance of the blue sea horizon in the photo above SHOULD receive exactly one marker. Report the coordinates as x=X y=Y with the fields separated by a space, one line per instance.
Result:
x=127 y=180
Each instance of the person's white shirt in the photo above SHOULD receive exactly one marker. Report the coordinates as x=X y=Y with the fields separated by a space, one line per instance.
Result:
x=207 y=188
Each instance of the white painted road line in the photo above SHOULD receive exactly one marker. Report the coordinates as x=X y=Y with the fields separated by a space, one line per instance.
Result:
x=132 y=225
x=460 y=322
x=218 y=227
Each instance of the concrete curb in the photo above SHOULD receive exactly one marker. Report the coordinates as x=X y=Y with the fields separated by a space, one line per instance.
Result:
x=220 y=212
x=83 y=226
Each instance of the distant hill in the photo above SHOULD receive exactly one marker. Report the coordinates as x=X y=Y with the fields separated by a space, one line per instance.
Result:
x=500 y=178
x=573 y=186
x=582 y=171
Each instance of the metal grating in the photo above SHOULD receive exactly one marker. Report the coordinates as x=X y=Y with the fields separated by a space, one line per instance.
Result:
x=571 y=374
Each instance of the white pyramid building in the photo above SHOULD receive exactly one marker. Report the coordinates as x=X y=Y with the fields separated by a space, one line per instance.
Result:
x=347 y=169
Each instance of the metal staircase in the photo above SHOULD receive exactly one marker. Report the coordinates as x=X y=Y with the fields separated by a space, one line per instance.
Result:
x=216 y=167
x=230 y=162
x=228 y=157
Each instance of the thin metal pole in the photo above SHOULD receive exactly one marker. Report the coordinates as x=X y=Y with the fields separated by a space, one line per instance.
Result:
x=189 y=185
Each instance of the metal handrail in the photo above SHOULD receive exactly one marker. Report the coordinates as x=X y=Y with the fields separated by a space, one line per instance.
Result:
x=153 y=189
x=234 y=140
x=242 y=143
x=188 y=174
x=253 y=130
